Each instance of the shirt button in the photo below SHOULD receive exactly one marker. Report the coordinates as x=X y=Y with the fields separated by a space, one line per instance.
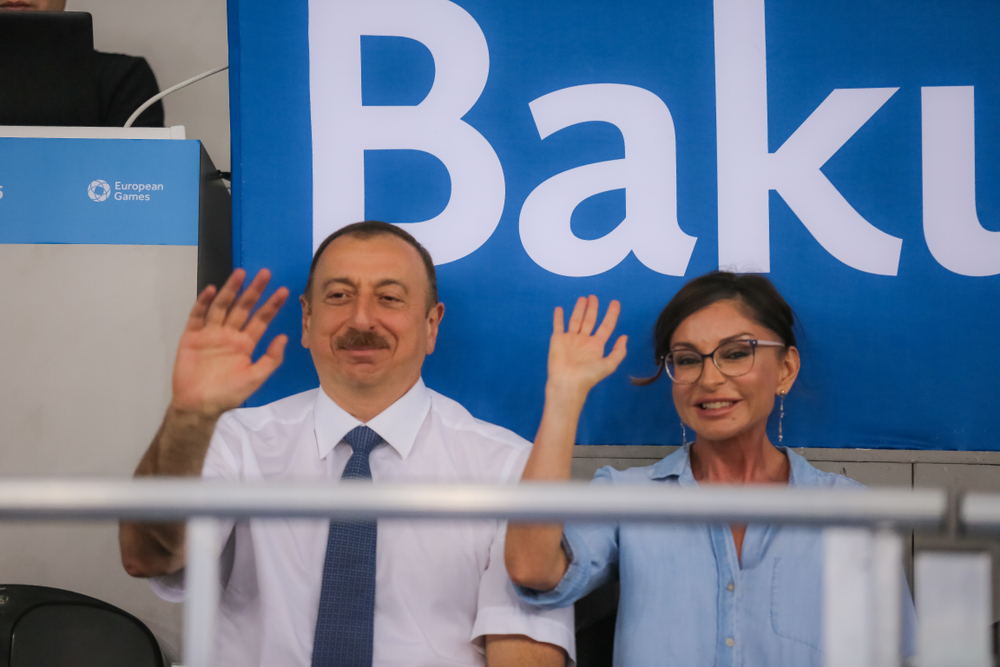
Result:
x=729 y=641
x=730 y=587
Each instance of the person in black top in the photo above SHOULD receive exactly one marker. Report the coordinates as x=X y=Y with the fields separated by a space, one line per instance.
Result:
x=87 y=89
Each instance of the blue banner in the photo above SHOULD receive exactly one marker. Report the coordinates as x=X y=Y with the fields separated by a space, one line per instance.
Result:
x=546 y=150
x=99 y=191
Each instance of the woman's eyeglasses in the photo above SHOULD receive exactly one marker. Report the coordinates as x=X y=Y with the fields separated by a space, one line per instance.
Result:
x=733 y=359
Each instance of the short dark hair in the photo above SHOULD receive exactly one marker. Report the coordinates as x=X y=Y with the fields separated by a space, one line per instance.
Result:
x=370 y=229
x=766 y=307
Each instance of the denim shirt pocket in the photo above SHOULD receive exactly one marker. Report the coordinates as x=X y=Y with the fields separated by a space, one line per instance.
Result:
x=796 y=601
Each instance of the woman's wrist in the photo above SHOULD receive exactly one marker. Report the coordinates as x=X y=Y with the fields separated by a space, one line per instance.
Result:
x=565 y=395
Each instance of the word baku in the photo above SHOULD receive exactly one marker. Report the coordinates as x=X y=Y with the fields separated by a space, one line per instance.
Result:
x=747 y=170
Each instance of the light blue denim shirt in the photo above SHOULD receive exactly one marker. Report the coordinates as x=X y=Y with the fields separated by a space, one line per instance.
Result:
x=687 y=600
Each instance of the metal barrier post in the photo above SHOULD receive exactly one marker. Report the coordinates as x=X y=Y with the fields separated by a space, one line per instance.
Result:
x=862 y=597
x=201 y=583
x=887 y=571
x=953 y=608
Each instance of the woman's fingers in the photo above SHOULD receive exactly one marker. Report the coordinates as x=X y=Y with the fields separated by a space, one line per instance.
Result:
x=576 y=319
x=578 y=342
x=617 y=353
x=610 y=320
x=584 y=317
x=589 y=316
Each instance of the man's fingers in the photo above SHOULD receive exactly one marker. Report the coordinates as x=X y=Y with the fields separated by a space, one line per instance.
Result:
x=576 y=318
x=196 y=319
x=268 y=363
x=273 y=304
x=276 y=350
x=258 y=324
x=240 y=312
x=224 y=299
x=557 y=321
x=610 y=320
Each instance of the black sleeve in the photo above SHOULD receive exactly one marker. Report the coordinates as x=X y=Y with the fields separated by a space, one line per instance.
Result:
x=125 y=82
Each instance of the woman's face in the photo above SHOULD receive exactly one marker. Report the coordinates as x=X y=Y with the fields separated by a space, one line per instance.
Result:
x=718 y=407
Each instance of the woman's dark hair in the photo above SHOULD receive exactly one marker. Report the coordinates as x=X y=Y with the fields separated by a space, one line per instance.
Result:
x=765 y=305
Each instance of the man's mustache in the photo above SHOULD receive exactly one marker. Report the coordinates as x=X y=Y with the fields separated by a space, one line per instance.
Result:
x=361 y=340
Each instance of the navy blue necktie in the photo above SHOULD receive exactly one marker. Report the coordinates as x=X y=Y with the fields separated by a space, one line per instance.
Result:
x=345 y=624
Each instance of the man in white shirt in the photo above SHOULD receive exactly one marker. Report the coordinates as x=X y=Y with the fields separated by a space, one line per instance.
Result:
x=370 y=315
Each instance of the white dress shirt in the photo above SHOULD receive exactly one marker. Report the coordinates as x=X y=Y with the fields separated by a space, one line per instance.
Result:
x=441 y=586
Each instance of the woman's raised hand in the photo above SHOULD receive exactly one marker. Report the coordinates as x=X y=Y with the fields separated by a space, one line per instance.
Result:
x=214 y=370
x=576 y=352
x=533 y=554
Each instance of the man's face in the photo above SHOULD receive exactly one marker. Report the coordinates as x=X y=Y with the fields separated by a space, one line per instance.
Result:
x=366 y=324
x=34 y=5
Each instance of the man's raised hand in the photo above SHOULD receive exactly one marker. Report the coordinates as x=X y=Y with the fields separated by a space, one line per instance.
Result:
x=576 y=352
x=214 y=370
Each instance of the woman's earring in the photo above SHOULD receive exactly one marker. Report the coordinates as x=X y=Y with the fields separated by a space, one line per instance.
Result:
x=684 y=436
x=781 y=415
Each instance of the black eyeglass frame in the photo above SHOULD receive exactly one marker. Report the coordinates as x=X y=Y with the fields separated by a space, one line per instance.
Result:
x=754 y=343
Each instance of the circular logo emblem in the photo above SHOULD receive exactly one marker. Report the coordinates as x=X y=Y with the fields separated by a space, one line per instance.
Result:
x=99 y=190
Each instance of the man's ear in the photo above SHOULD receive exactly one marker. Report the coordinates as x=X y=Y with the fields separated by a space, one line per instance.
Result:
x=306 y=315
x=434 y=318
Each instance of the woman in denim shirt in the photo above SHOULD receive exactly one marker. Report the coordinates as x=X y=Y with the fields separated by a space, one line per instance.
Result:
x=691 y=595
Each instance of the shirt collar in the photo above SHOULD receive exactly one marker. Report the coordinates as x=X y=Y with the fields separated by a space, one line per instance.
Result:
x=397 y=425
x=678 y=466
x=802 y=472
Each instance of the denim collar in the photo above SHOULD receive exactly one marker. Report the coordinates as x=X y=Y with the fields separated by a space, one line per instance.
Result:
x=677 y=467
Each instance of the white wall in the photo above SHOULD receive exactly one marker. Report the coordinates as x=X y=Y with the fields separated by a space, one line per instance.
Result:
x=88 y=332
x=87 y=342
x=179 y=38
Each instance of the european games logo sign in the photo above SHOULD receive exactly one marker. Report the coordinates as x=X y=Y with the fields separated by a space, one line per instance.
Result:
x=99 y=190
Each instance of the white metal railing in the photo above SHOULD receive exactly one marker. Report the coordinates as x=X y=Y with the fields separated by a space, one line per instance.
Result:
x=165 y=499
x=866 y=530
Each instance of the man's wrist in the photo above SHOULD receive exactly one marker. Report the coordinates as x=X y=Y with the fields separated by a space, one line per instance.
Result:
x=188 y=417
x=181 y=444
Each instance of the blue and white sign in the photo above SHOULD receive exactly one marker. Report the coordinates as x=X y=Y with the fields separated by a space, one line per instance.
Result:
x=106 y=191
x=542 y=151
